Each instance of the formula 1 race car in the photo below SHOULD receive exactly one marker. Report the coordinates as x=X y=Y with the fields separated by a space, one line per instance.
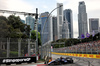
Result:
x=60 y=61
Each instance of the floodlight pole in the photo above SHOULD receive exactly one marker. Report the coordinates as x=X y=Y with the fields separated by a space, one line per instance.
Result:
x=36 y=17
x=44 y=28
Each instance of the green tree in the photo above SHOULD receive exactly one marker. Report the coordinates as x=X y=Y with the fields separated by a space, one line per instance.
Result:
x=3 y=27
x=13 y=27
x=33 y=36
x=18 y=29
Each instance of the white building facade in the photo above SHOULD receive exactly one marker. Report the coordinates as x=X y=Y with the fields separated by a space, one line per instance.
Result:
x=59 y=19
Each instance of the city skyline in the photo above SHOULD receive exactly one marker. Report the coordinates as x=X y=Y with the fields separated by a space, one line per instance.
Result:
x=43 y=6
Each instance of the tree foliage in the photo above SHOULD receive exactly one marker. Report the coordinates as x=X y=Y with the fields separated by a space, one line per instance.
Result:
x=33 y=36
x=3 y=27
x=13 y=27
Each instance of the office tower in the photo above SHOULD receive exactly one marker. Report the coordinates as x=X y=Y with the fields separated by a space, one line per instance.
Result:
x=65 y=30
x=54 y=28
x=82 y=19
x=30 y=21
x=59 y=19
x=46 y=34
x=94 y=25
x=39 y=25
x=68 y=17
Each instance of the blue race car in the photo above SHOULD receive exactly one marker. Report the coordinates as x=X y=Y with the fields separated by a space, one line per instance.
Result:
x=60 y=61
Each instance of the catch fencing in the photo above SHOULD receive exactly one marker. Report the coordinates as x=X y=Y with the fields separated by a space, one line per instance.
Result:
x=17 y=47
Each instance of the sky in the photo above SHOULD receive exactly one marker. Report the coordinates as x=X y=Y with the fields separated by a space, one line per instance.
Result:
x=92 y=8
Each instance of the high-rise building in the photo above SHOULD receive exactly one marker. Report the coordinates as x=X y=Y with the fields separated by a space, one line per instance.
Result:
x=54 y=24
x=46 y=35
x=82 y=19
x=68 y=17
x=65 y=30
x=94 y=25
x=59 y=19
x=39 y=25
x=30 y=21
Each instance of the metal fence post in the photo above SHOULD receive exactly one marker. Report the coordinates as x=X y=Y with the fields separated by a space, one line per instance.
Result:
x=46 y=50
x=8 y=47
x=42 y=52
x=50 y=49
x=28 y=47
x=35 y=48
x=19 y=47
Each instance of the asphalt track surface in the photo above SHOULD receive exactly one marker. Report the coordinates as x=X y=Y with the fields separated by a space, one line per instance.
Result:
x=77 y=62
x=81 y=61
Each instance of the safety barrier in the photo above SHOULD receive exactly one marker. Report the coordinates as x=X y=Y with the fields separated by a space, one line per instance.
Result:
x=97 y=56
x=17 y=60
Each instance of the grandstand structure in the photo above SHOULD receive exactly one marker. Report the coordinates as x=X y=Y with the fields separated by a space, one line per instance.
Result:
x=92 y=47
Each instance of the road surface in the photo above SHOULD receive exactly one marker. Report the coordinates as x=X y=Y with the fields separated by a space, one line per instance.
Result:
x=77 y=62
x=81 y=61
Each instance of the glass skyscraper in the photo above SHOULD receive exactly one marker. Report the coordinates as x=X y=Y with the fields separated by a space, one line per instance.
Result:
x=68 y=17
x=54 y=24
x=46 y=35
x=82 y=19
x=39 y=25
x=65 y=30
x=30 y=21
x=94 y=25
